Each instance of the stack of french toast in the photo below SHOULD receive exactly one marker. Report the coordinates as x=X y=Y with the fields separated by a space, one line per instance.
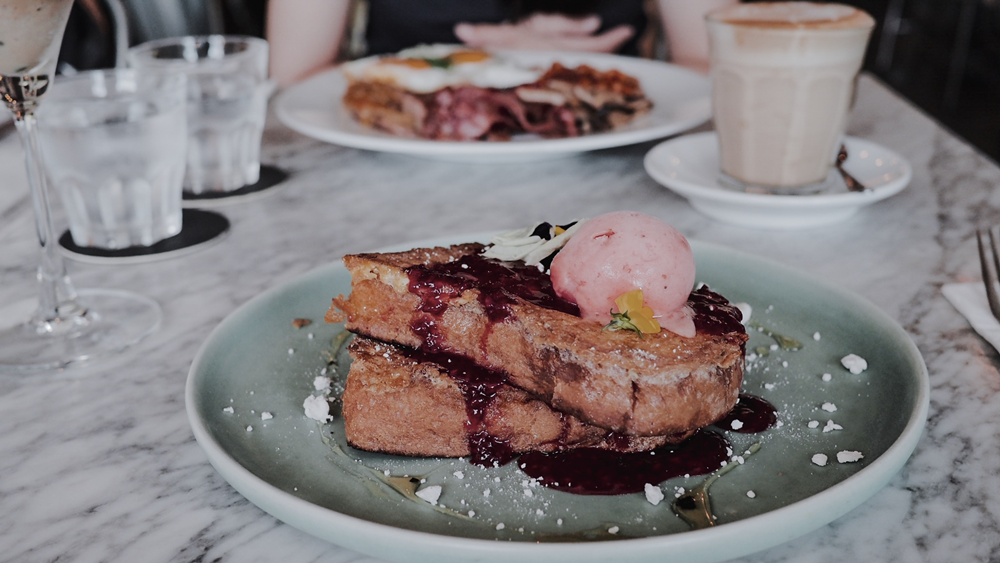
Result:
x=457 y=354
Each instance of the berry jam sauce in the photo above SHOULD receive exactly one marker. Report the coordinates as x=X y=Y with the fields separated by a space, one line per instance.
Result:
x=479 y=388
x=589 y=471
x=754 y=414
x=498 y=284
x=713 y=314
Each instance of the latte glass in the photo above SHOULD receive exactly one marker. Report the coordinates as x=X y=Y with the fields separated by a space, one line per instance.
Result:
x=783 y=76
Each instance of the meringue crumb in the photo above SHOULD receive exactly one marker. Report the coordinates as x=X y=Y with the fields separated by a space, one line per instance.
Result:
x=266 y=416
x=653 y=494
x=831 y=425
x=827 y=377
x=613 y=530
x=813 y=424
x=500 y=526
x=829 y=407
x=848 y=456
x=816 y=336
x=854 y=363
x=228 y=410
x=819 y=459
x=751 y=494
x=431 y=494
x=317 y=408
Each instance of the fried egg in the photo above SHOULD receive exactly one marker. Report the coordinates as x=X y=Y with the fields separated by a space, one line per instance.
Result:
x=428 y=68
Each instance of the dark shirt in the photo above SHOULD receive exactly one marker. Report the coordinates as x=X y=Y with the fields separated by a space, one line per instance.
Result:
x=397 y=24
x=87 y=44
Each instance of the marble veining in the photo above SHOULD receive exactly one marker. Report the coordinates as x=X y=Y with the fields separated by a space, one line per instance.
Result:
x=97 y=463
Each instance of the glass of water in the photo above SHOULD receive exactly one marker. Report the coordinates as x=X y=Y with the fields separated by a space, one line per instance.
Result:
x=227 y=104
x=114 y=144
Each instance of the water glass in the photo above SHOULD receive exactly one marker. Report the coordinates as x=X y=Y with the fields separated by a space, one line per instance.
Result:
x=227 y=104
x=114 y=143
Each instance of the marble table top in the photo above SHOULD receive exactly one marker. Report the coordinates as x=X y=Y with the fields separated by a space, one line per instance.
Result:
x=98 y=463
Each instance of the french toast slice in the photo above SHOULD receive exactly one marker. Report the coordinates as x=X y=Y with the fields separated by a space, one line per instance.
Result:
x=454 y=300
x=407 y=402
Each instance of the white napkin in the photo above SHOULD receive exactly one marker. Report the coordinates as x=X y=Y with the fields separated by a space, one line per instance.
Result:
x=970 y=300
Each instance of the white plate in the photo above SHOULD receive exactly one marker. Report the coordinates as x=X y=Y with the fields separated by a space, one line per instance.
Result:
x=680 y=101
x=689 y=166
x=256 y=362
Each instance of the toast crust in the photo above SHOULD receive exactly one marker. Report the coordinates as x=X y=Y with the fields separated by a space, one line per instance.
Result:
x=400 y=403
x=658 y=385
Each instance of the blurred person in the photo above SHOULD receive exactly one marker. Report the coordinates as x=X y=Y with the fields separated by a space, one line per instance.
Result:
x=89 y=40
x=306 y=36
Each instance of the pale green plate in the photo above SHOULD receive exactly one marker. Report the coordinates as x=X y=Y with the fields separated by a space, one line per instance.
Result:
x=257 y=362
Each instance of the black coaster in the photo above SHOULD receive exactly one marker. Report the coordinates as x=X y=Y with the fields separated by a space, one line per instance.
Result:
x=198 y=229
x=270 y=176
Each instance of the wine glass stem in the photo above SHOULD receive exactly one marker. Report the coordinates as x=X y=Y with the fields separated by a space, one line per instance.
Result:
x=56 y=294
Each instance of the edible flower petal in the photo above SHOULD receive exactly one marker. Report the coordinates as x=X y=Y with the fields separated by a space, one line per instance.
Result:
x=528 y=246
x=629 y=301
x=633 y=315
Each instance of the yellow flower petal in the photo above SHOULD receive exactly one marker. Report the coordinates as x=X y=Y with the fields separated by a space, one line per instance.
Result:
x=644 y=321
x=629 y=301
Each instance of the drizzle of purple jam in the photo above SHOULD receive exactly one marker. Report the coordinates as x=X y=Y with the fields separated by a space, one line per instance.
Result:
x=713 y=314
x=425 y=326
x=756 y=414
x=498 y=284
x=479 y=388
x=590 y=471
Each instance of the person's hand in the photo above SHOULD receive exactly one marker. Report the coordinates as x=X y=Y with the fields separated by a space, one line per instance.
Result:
x=546 y=32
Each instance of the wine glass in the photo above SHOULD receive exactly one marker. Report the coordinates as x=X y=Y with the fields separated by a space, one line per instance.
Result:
x=67 y=326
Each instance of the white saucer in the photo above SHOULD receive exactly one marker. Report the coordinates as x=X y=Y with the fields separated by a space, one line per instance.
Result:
x=689 y=166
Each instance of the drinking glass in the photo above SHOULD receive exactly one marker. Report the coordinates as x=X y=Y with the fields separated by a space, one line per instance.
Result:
x=783 y=78
x=114 y=144
x=227 y=104
x=66 y=326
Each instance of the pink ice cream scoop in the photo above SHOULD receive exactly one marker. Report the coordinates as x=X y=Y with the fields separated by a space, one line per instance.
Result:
x=618 y=252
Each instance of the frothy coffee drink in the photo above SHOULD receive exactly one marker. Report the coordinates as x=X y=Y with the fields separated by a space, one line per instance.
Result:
x=782 y=82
